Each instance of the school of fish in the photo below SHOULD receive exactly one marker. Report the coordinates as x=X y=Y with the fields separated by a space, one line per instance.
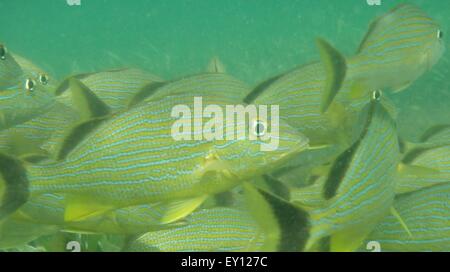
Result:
x=92 y=158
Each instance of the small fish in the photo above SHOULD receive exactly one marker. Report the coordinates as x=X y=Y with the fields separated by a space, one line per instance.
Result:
x=399 y=47
x=426 y=213
x=27 y=95
x=304 y=93
x=131 y=159
x=215 y=229
x=360 y=187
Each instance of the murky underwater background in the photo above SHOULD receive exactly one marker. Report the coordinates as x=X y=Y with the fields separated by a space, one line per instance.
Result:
x=254 y=39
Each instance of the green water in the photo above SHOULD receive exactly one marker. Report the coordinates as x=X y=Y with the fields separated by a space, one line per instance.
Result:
x=254 y=39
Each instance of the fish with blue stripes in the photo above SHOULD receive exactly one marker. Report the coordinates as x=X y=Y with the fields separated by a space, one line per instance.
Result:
x=399 y=47
x=426 y=213
x=359 y=188
x=131 y=158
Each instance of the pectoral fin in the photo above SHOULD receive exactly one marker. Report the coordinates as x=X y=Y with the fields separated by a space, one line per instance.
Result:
x=177 y=210
x=79 y=209
x=399 y=218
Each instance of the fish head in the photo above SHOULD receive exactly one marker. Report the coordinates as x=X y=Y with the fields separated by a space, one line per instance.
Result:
x=434 y=48
x=267 y=146
x=10 y=70
x=28 y=97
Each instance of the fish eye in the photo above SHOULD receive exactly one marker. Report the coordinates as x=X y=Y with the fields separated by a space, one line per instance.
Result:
x=440 y=34
x=376 y=95
x=29 y=85
x=259 y=128
x=43 y=79
x=3 y=52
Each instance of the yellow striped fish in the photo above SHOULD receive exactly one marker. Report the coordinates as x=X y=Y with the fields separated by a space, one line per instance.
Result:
x=215 y=229
x=132 y=159
x=399 y=47
x=426 y=213
x=263 y=222
x=27 y=95
x=360 y=186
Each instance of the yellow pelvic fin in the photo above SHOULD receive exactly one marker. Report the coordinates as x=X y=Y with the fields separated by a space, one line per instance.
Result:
x=399 y=218
x=177 y=210
x=414 y=170
x=348 y=240
x=82 y=209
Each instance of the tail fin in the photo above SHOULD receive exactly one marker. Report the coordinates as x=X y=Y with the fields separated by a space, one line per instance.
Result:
x=286 y=226
x=13 y=185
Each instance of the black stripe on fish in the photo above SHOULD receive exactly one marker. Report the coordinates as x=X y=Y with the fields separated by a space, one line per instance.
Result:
x=260 y=89
x=342 y=163
x=293 y=223
x=433 y=131
x=77 y=135
x=145 y=92
x=15 y=185
x=277 y=187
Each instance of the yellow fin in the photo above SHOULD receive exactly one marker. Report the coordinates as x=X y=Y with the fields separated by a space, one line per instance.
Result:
x=318 y=147
x=81 y=209
x=358 y=90
x=399 y=218
x=177 y=210
x=348 y=240
x=335 y=69
x=414 y=170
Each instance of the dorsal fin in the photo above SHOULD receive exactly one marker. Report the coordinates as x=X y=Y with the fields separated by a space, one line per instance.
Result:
x=215 y=66
x=64 y=85
x=77 y=134
x=286 y=226
x=147 y=91
x=87 y=102
x=335 y=69
x=430 y=132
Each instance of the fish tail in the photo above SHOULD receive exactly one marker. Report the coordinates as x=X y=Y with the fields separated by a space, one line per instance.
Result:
x=285 y=225
x=14 y=185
